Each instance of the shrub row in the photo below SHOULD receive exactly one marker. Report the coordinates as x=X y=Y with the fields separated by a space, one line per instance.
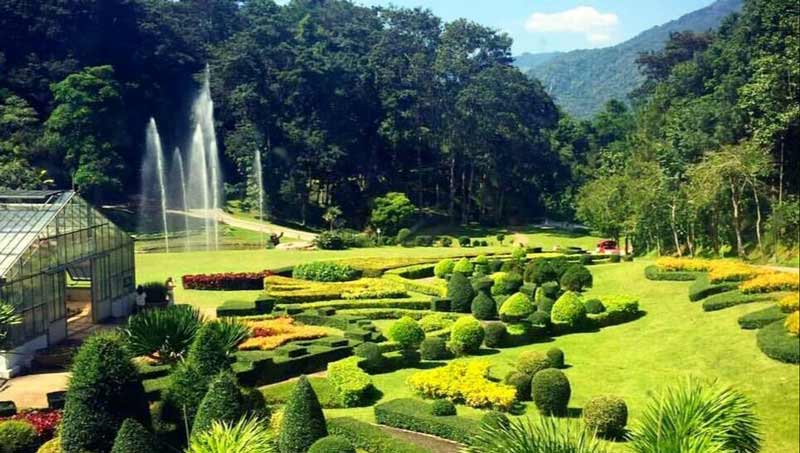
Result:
x=430 y=289
x=414 y=272
x=370 y=438
x=415 y=415
x=466 y=382
x=761 y=318
x=765 y=283
x=654 y=273
x=353 y=385
x=263 y=305
x=702 y=288
x=411 y=303
x=225 y=282
x=730 y=299
x=618 y=309
x=325 y=271
x=775 y=342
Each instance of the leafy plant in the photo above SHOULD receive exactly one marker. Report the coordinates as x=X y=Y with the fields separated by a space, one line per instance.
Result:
x=407 y=333
x=248 y=435
x=325 y=271
x=17 y=436
x=8 y=317
x=163 y=334
x=546 y=435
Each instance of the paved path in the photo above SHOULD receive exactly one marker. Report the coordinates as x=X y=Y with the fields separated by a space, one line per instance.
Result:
x=433 y=443
x=251 y=225
x=30 y=391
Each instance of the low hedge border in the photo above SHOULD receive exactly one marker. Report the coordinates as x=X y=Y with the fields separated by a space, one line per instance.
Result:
x=415 y=415
x=761 y=318
x=413 y=272
x=261 y=306
x=702 y=288
x=730 y=299
x=411 y=303
x=776 y=343
x=652 y=272
x=417 y=287
x=370 y=438
x=391 y=313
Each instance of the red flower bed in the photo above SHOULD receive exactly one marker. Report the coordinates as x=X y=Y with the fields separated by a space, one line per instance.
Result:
x=44 y=421
x=231 y=281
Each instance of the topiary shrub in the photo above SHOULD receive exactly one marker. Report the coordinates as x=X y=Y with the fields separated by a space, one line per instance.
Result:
x=223 y=402
x=407 y=333
x=444 y=268
x=476 y=243
x=373 y=357
x=463 y=241
x=614 y=259
x=519 y=254
x=51 y=446
x=303 y=422
x=463 y=266
x=789 y=303
x=539 y=319
x=506 y=283
x=443 y=408
x=512 y=266
x=568 y=311
x=495 y=420
x=402 y=236
x=17 y=436
x=550 y=391
x=132 y=437
x=423 y=241
x=104 y=390
x=330 y=240
x=516 y=308
x=466 y=336
x=494 y=334
x=545 y=305
x=435 y=321
x=606 y=415
x=325 y=271
x=332 y=444
x=482 y=265
x=576 y=278
x=549 y=289
x=483 y=306
x=521 y=382
x=594 y=306
x=460 y=293
x=434 y=349
x=556 y=357
x=539 y=272
x=446 y=241
x=500 y=237
x=532 y=362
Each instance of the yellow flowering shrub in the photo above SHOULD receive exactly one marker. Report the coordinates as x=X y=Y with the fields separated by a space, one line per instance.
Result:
x=790 y=303
x=668 y=264
x=465 y=382
x=290 y=290
x=792 y=324
x=769 y=282
x=733 y=271
x=272 y=333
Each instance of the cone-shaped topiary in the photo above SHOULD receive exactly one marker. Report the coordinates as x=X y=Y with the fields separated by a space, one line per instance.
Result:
x=483 y=306
x=551 y=391
x=568 y=310
x=516 y=308
x=332 y=444
x=104 y=390
x=224 y=402
x=460 y=293
x=463 y=266
x=303 y=422
x=407 y=333
x=132 y=437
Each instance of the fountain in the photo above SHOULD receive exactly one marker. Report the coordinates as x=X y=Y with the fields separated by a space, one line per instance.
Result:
x=177 y=166
x=154 y=157
x=259 y=175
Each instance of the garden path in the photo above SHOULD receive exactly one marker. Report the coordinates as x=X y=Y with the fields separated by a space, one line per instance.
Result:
x=434 y=444
x=252 y=225
x=30 y=391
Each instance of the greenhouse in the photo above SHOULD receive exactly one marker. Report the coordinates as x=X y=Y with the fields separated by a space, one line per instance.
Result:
x=60 y=259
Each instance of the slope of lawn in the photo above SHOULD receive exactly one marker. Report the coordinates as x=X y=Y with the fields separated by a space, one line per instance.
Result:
x=673 y=340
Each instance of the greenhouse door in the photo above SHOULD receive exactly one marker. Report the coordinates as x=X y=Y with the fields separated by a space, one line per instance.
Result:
x=101 y=288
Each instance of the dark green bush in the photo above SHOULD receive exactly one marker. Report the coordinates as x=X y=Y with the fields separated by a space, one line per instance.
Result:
x=545 y=305
x=551 y=391
x=494 y=334
x=761 y=318
x=402 y=236
x=532 y=362
x=466 y=336
x=614 y=259
x=407 y=333
x=556 y=357
x=423 y=241
x=446 y=241
x=627 y=258
x=332 y=444
x=495 y=265
x=374 y=360
x=776 y=343
x=506 y=283
x=441 y=304
x=104 y=390
x=463 y=241
x=587 y=259
x=443 y=408
x=576 y=278
x=434 y=348
x=495 y=419
x=512 y=267
x=483 y=306
x=224 y=402
x=730 y=299
x=521 y=382
x=17 y=436
x=540 y=319
x=500 y=237
x=460 y=293
x=481 y=283
x=606 y=415
x=155 y=292
x=303 y=421
x=476 y=243
x=325 y=271
x=369 y=437
x=484 y=243
x=132 y=437
x=330 y=240
x=594 y=306
x=414 y=415
x=539 y=272
x=550 y=289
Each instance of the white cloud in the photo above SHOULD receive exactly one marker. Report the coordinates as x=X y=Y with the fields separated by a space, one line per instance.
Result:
x=595 y=26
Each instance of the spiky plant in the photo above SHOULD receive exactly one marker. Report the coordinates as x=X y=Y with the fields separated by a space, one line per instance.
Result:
x=547 y=435
x=163 y=334
x=233 y=332
x=697 y=417
x=8 y=317
x=248 y=435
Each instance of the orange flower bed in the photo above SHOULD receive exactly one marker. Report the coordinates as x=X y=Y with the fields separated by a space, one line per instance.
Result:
x=270 y=334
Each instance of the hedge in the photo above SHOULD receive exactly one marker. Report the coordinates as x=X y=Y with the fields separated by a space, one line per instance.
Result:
x=414 y=272
x=325 y=271
x=230 y=281
x=370 y=438
x=619 y=309
x=416 y=286
x=415 y=415
x=761 y=318
x=776 y=343
x=261 y=306
x=730 y=299
x=411 y=303
x=652 y=272
x=353 y=385
x=702 y=288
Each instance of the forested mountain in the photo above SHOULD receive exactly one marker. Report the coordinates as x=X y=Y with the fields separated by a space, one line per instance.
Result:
x=582 y=81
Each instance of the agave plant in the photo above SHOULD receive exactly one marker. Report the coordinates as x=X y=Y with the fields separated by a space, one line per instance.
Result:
x=547 y=435
x=163 y=334
x=234 y=332
x=696 y=417
x=8 y=317
x=248 y=435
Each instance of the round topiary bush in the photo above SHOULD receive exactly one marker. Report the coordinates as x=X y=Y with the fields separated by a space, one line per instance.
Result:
x=402 y=236
x=466 y=336
x=494 y=334
x=521 y=382
x=549 y=289
x=483 y=306
x=606 y=415
x=460 y=293
x=464 y=241
x=556 y=357
x=407 y=333
x=325 y=271
x=550 y=391
x=368 y=350
x=568 y=311
x=463 y=266
x=576 y=278
x=332 y=444
x=594 y=306
x=443 y=408
x=506 y=283
x=132 y=437
x=18 y=436
x=545 y=305
x=532 y=362
x=434 y=349
x=495 y=419
x=539 y=319
x=303 y=422
x=516 y=308
x=539 y=272
x=444 y=268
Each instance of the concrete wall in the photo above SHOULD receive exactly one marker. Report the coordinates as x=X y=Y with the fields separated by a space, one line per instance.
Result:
x=17 y=360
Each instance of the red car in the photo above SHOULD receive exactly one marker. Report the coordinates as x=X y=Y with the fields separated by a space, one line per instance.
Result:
x=607 y=247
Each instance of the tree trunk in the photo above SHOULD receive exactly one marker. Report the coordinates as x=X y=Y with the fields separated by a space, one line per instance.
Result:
x=737 y=221
x=758 y=219
x=452 y=209
x=464 y=199
x=673 y=224
x=715 y=232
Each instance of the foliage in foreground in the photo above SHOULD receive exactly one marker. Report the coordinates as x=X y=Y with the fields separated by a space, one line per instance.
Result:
x=303 y=421
x=248 y=435
x=547 y=435
x=165 y=334
x=133 y=438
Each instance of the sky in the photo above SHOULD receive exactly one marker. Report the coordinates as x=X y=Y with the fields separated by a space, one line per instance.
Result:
x=558 y=25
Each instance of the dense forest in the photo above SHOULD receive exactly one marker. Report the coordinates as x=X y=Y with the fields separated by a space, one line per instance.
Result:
x=348 y=103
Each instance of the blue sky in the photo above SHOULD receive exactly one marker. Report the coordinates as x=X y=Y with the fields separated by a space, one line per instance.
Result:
x=551 y=25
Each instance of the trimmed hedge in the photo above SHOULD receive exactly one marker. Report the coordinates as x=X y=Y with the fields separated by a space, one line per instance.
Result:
x=556 y=357
x=521 y=382
x=441 y=304
x=132 y=437
x=730 y=299
x=532 y=362
x=568 y=311
x=434 y=349
x=332 y=444
x=230 y=281
x=223 y=402
x=619 y=309
x=516 y=308
x=506 y=283
x=263 y=305
x=761 y=318
x=466 y=336
x=410 y=303
x=551 y=392
x=414 y=272
x=494 y=334
x=483 y=306
x=407 y=333
x=353 y=385
x=370 y=438
x=702 y=288
x=652 y=272
x=460 y=292
x=415 y=415
x=576 y=278
x=606 y=415
x=443 y=408
x=325 y=271
x=776 y=343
